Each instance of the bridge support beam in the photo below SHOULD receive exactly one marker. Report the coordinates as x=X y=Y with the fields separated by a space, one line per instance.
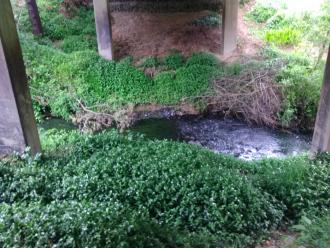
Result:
x=103 y=28
x=321 y=138
x=229 y=26
x=17 y=123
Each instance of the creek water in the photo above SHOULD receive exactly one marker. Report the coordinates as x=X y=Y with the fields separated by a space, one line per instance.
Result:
x=225 y=136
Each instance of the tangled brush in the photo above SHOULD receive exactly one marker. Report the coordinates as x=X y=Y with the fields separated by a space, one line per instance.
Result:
x=253 y=95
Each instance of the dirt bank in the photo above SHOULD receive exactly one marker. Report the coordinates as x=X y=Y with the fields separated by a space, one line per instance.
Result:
x=141 y=34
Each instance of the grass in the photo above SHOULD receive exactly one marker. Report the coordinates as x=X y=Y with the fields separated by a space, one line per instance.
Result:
x=283 y=37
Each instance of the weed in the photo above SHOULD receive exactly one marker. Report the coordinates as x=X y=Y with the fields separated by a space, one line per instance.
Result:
x=285 y=36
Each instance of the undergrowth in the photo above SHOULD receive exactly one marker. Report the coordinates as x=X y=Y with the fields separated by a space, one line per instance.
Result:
x=261 y=13
x=62 y=81
x=314 y=231
x=115 y=190
x=300 y=82
x=211 y=20
x=67 y=75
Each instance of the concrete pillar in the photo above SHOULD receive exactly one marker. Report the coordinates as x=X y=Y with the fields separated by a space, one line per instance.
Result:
x=103 y=28
x=229 y=26
x=17 y=124
x=321 y=138
x=34 y=17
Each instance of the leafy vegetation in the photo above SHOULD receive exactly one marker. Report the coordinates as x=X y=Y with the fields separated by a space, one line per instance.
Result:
x=211 y=20
x=261 y=13
x=61 y=81
x=66 y=72
x=122 y=190
x=301 y=76
x=300 y=82
x=286 y=36
x=314 y=232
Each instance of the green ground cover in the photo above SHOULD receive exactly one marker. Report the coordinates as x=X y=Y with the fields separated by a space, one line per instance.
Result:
x=302 y=74
x=314 y=232
x=65 y=69
x=116 y=190
x=121 y=190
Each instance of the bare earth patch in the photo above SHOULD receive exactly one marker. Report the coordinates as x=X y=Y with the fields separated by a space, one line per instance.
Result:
x=141 y=34
x=281 y=240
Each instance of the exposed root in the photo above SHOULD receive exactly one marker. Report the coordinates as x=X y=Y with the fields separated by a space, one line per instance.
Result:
x=89 y=120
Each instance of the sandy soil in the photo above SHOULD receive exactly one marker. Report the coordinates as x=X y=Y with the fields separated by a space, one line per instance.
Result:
x=145 y=34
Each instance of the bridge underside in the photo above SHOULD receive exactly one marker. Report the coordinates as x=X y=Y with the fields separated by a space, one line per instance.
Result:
x=102 y=10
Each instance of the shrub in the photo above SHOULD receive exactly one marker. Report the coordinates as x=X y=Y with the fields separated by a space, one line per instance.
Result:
x=314 y=232
x=261 y=13
x=285 y=36
x=302 y=185
x=204 y=59
x=80 y=224
x=173 y=61
x=110 y=189
x=300 y=82
x=301 y=89
x=211 y=20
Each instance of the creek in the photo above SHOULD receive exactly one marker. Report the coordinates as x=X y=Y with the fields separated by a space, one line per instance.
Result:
x=227 y=136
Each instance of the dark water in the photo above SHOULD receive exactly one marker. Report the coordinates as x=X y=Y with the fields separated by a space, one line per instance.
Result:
x=227 y=136
x=219 y=135
x=55 y=123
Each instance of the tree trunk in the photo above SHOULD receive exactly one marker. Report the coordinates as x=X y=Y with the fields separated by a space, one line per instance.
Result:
x=34 y=17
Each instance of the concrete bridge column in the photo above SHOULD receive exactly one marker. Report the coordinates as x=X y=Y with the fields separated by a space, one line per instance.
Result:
x=17 y=124
x=229 y=26
x=321 y=138
x=103 y=28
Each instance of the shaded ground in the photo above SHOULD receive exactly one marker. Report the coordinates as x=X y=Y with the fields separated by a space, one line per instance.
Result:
x=155 y=34
x=280 y=240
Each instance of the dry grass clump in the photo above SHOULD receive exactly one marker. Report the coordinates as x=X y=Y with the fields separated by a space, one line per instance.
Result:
x=253 y=95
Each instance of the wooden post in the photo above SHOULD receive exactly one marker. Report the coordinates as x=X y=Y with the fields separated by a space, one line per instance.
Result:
x=34 y=17
x=321 y=138
x=229 y=26
x=17 y=123
x=103 y=28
